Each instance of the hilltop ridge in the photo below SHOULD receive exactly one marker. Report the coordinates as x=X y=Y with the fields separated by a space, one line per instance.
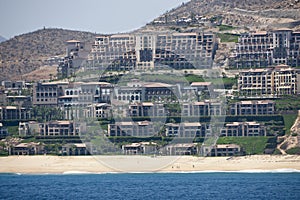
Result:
x=25 y=53
x=28 y=52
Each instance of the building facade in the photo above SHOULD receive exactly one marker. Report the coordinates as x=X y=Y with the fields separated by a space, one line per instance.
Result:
x=149 y=50
x=46 y=94
x=262 y=49
x=185 y=130
x=222 y=150
x=276 y=81
x=61 y=129
x=146 y=109
x=204 y=108
x=243 y=129
x=263 y=107
x=132 y=129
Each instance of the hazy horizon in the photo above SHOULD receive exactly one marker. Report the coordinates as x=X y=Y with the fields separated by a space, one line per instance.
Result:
x=100 y=16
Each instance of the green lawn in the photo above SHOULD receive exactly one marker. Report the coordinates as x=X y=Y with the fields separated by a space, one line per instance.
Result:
x=251 y=145
x=227 y=37
x=226 y=28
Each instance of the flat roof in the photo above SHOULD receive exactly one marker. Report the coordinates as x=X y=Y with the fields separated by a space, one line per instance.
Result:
x=72 y=41
x=154 y=85
x=201 y=84
x=227 y=146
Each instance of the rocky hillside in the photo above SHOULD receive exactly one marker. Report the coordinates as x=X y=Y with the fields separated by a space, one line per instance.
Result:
x=2 y=39
x=25 y=53
x=251 y=14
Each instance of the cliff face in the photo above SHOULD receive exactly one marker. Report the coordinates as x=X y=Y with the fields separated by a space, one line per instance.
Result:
x=25 y=53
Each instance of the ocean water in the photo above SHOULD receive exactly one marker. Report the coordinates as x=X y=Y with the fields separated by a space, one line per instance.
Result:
x=208 y=185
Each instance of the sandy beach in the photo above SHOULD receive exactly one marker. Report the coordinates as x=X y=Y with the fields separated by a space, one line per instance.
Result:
x=107 y=164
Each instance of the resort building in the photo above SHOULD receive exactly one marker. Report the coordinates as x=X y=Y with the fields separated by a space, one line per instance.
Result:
x=47 y=94
x=101 y=111
x=151 y=50
x=262 y=49
x=14 y=113
x=243 y=129
x=61 y=129
x=75 y=56
x=133 y=129
x=145 y=148
x=204 y=108
x=77 y=149
x=31 y=148
x=255 y=107
x=276 y=81
x=185 y=130
x=222 y=150
x=179 y=149
x=28 y=128
x=146 y=109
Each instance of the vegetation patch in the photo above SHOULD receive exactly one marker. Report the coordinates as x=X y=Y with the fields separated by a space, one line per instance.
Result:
x=251 y=145
x=289 y=120
x=294 y=151
x=227 y=37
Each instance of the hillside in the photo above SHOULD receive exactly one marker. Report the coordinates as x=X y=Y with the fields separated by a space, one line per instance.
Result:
x=28 y=52
x=2 y=39
x=25 y=53
x=251 y=14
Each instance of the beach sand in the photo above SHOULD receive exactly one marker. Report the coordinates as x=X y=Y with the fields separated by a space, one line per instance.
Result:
x=111 y=164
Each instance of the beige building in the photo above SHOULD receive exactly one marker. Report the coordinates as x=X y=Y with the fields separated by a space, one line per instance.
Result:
x=146 y=109
x=149 y=50
x=222 y=150
x=132 y=129
x=31 y=148
x=243 y=129
x=262 y=49
x=187 y=130
x=204 y=108
x=61 y=129
x=47 y=94
x=179 y=149
x=276 y=81
x=255 y=107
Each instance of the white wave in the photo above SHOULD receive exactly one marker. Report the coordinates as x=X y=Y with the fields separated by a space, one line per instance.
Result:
x=287 y=170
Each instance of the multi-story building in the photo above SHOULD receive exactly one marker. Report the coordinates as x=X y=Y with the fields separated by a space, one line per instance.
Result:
x=140 y=148
x=101 y=110
x=47 y=94
x=243 y=129
x=14 y=113
x=133 y=129
x=276 y=81
x=179 y=149
x=149 y=50
x=261 y=107
x=75 y=55
x=61 y=129
x=146 y=109
x=160 y=92
x=31 y=148
x=149 y=92
x=261 y=49
x=222 y=150
x=204 y=108
x=187 y=130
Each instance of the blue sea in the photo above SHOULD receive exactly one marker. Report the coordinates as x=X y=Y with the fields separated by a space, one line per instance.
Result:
x=208 y=185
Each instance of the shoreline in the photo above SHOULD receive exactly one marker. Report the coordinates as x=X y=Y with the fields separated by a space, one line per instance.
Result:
x=147 y=164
